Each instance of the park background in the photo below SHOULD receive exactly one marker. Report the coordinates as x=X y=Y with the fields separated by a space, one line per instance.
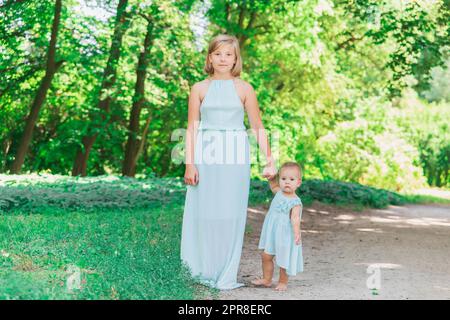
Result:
x=92 y=91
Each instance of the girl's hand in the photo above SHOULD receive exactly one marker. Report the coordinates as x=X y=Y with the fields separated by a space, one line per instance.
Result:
x=269 y=171
x=298 y=239
x=191 y=175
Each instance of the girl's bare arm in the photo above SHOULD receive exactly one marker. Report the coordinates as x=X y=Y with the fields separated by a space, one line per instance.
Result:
x=273 y=183
x=193 y=123
x=254 y=117
x=296 y=221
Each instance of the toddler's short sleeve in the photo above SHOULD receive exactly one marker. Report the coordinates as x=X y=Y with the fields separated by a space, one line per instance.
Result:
x=297 y=202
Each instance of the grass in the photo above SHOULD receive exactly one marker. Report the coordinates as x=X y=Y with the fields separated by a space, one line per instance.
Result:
x=120 y=235
x=120 y=255
x=430 y=195
x=424 y=199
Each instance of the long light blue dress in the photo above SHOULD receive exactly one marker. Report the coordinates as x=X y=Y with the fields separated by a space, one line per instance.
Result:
x=215 y=209
x=277 y=235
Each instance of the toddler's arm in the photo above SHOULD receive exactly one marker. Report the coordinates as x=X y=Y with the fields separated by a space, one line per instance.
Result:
x=273 y=183
x=296 y=221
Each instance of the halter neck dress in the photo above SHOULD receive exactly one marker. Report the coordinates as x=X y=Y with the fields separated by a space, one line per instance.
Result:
x=215 y=209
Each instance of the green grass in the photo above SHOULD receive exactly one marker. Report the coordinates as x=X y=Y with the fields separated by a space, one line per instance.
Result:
x=425 y=199
x=123 y=234
x=121 y=255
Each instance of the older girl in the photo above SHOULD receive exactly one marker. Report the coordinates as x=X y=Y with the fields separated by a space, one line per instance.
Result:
x=218 y=167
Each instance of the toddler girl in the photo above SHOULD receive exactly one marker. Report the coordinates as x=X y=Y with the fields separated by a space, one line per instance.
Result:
x=280 y=235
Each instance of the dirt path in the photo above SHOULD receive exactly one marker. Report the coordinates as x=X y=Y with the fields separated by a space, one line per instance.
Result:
x=410 y=245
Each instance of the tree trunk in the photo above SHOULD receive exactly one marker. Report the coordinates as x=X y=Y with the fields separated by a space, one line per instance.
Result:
x=6 y=145
x=108 y=80
x=51 y=68
x=141 y=144
x=133 y=144
x=144 y=138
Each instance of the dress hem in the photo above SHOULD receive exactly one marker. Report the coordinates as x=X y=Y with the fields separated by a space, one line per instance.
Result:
x=276 y=261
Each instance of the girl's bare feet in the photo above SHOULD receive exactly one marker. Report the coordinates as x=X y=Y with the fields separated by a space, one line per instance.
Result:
x=281 y=286
x=262 y=282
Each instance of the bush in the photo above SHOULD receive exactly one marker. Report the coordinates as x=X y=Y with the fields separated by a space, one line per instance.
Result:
x=331 y=191
x=32 y=193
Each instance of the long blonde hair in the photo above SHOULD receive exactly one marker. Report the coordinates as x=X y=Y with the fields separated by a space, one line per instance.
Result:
x=218 y=41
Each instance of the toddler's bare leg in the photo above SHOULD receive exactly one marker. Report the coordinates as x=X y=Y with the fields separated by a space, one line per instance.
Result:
x=267 y=266
x=283 y=281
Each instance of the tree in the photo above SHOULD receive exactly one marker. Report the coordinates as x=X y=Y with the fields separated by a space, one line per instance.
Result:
x=100 y=118
x=52 y=67
x=134 y=146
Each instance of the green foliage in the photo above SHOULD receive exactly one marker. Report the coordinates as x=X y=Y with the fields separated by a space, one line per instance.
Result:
x=52 y=192
x=36 y=194
x=439 y=84
x=325 y=73
x=426 y=126
x=418 y=29
x=333 y=192
x=357 y=151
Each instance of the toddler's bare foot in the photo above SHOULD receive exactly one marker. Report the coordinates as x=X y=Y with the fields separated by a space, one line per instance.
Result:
x=281 y=286
x=262 y=282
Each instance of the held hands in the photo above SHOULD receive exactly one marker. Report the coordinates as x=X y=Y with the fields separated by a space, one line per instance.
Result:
x=191 y=175
x=269 y=171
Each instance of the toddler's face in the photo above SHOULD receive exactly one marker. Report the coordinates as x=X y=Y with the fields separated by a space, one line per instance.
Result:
x=290 y=179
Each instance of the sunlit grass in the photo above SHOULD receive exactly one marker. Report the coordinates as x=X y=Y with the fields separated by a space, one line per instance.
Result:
x=121 y=255
x=424 y=199
x=430 y=195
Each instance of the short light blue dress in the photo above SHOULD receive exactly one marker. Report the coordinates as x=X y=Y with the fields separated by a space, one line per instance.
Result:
x=277 y=235
x=215 y=209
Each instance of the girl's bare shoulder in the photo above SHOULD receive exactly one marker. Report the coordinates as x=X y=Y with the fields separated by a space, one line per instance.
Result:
x=201 y=87
x=245 y=90
x=244 y=85
x=200 y=84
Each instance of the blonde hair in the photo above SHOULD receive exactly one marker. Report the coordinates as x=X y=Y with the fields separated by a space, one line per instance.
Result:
x=218 y=41
x=290 y=164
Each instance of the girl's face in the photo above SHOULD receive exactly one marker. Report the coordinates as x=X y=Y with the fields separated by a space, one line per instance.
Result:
x=290 y=180
x=223 y=58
